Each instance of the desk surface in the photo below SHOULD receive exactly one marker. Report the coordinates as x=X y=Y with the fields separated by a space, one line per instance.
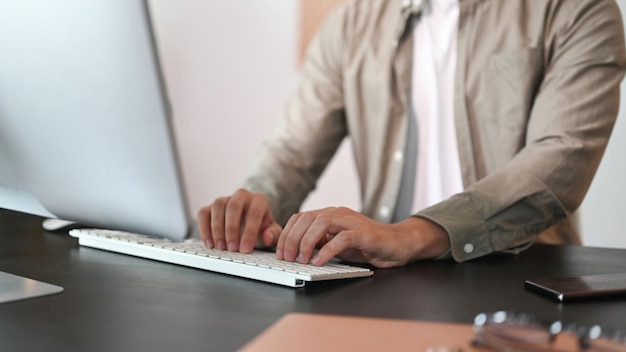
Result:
x=114 y=302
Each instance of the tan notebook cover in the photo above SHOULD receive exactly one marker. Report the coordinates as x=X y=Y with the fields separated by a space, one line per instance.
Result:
x=321 y=333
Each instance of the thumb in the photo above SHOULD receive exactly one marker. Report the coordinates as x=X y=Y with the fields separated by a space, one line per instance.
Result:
x=270 y=234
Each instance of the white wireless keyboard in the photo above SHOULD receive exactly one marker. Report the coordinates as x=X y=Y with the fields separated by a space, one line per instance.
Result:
x=257 y=265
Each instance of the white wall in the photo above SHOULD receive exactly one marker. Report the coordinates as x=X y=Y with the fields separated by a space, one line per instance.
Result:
x=231 y=65
x=603 y=210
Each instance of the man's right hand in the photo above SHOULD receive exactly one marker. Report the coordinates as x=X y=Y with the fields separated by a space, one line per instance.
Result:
x=238 y=223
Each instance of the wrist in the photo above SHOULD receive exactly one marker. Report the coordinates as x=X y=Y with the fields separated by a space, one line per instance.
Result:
x=427 y=240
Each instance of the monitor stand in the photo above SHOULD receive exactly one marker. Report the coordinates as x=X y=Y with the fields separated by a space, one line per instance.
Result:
x=15 y=288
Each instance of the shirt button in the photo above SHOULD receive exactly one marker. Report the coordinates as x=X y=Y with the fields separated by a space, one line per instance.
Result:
x=398 y=155
x=384 y=212
x=468 y=248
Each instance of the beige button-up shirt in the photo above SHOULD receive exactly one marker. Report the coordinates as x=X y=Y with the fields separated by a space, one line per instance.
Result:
x=536 y=97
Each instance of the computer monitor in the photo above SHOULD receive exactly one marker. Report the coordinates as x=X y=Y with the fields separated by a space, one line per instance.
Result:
x=85 y=127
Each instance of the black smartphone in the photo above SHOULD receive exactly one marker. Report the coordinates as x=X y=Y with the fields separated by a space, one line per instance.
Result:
x=564 y=289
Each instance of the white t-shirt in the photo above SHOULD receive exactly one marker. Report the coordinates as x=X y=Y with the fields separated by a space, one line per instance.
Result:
x=438 y=174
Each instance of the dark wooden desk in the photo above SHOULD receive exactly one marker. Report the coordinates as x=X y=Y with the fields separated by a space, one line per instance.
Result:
x=115 y=302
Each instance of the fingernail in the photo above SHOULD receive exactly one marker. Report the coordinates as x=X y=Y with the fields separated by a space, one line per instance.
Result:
x=221 y=244
x=288 y=256
x=208 y=243
x=232 y=246
x=316 y=261
x=279 y=254
x=245 y=248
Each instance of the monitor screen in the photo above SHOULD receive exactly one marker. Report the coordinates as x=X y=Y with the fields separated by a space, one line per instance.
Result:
x=85 y=127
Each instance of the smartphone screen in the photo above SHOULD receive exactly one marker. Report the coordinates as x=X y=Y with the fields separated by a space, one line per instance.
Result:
x=579 y=287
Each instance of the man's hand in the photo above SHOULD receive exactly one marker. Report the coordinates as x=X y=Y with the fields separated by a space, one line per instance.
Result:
x=354 y=237
x=238 y=223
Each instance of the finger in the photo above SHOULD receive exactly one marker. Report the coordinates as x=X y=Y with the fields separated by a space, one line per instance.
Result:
x=271 y=233
x=204 y=226
x=253 y=222
x=341 y=242
x=316 y=233
x=218 y=216
x=293 y=239
x=280 y=246
x=233 y=219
